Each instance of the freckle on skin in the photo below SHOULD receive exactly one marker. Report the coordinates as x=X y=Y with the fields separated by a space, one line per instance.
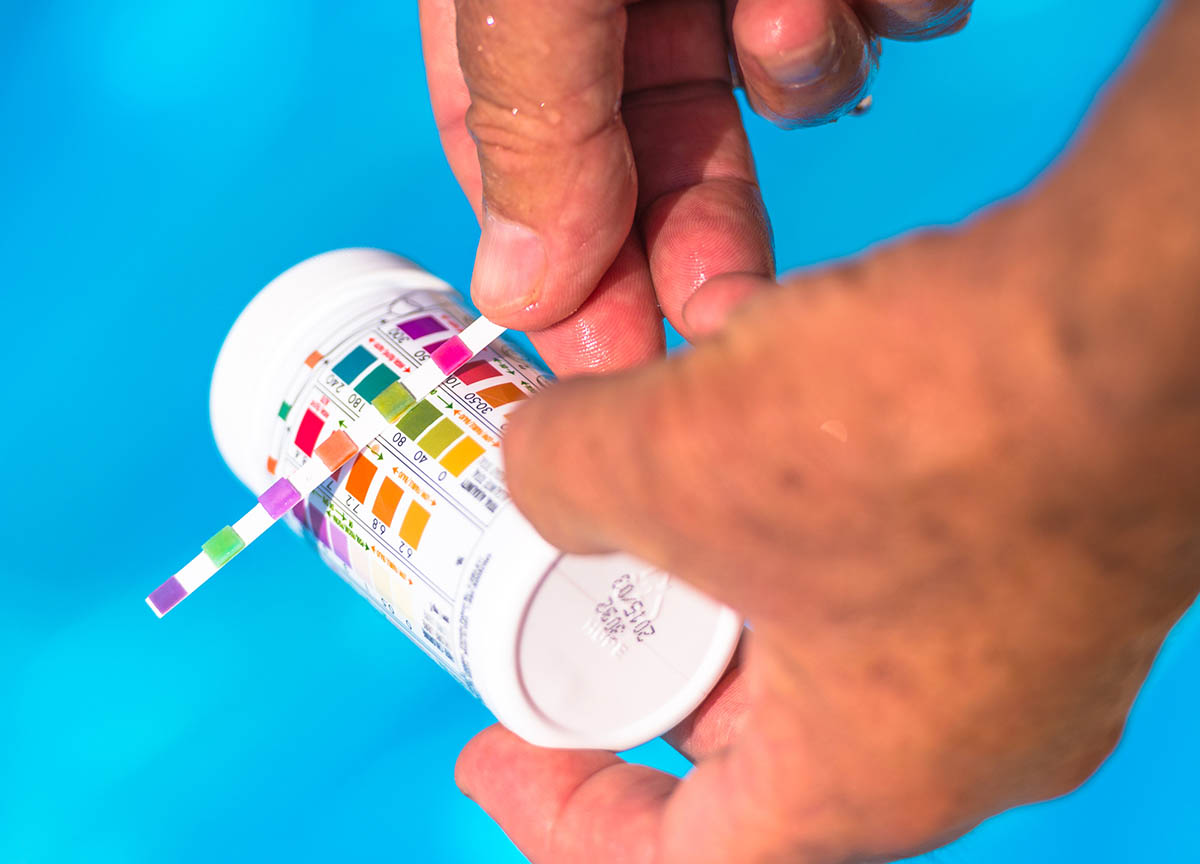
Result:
x=835 y=429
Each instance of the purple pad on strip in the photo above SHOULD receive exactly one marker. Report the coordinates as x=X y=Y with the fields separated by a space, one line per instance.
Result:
x=300 y=513
x=451 y=354
x=166 y=596
x=419 y=327
x=280 y=498
x=341 y=546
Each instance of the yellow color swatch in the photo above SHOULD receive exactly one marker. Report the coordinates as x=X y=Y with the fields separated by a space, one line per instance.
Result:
x=461 y=455
x=413 y=525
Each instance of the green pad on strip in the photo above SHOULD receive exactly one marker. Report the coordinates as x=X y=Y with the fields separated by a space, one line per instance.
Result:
x=393 y=401
x=222 y=546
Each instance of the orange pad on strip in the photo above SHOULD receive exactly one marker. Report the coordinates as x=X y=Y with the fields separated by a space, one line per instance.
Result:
x=336 y=450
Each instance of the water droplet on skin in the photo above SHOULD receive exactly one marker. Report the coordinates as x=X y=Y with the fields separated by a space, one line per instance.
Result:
x=835 y=429
x=541 y=105
x=491 y=22
x=514 y=112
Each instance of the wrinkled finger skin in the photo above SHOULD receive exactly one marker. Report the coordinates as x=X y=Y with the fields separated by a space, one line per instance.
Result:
x=953 y=485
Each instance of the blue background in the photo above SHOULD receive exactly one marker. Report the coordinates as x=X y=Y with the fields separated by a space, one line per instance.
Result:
x=159 y=162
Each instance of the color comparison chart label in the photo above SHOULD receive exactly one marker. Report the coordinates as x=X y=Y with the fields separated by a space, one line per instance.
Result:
x=399 y=518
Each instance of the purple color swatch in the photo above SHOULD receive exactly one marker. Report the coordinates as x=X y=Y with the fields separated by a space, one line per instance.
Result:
x=166 y=596
x=300 y=513
x=451 y=354
x=419 y=327
x=320 y=525
x=341 y=547
x=280 y=498
x=434 y=345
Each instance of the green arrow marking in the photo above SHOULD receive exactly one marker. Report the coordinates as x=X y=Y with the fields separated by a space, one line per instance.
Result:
x=443 y=401
x=341 y=423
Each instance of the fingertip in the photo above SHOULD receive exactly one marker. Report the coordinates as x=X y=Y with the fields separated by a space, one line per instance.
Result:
x=478 y=757
x=510 y=268
x=803 y=64
x=707 y=310
x=697 y=234
x=619 y=326
x=915 y=20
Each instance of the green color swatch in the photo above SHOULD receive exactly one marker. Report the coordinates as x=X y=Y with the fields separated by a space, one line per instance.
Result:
x=375 y=383
x=418 y=419
x=284 y=410
x=440 y=437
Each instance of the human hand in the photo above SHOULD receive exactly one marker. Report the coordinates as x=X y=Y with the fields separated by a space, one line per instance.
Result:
x=602 y=148
x=953 y=486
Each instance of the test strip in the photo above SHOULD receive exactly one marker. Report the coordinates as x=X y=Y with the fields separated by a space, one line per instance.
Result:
x=392 y=400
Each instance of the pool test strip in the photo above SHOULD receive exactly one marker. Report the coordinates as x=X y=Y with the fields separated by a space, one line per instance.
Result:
x=393 y=399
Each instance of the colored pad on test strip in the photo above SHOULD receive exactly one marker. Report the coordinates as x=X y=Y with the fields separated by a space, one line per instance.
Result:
x=166 y=596
x=386 y=501
x=419 y=418
x=361 y=476
x=419 y=327
x=309 y=431
x=480 y=370
x=353 y=364
x=336 y=450
x=223 y=545
x=502 y=394
x=441 y=436
x=461 y=455
x=413 y=525
x=375 y=383
x=279 y=498
x=393 y=401
x=451 y=354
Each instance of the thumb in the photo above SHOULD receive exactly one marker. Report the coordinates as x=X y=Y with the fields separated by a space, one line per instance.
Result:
x=559 y=186
x=697 y=464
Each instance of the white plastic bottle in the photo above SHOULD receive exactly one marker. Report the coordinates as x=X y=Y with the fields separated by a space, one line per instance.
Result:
x=567 y=651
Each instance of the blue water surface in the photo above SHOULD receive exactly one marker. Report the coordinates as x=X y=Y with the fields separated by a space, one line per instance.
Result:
x=160 y=161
